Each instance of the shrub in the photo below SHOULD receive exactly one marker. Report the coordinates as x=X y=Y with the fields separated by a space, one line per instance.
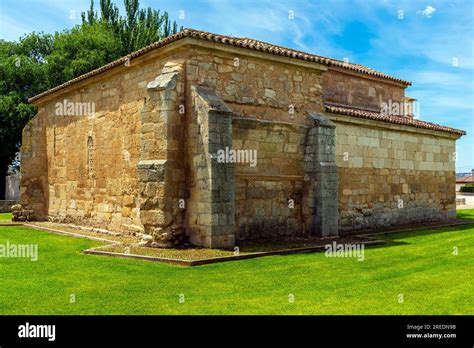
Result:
x=467 y=188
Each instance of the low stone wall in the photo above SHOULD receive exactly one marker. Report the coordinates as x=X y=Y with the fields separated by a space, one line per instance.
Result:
x=6 y=206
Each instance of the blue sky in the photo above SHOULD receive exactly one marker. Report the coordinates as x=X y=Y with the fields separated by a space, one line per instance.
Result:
x=429 y=43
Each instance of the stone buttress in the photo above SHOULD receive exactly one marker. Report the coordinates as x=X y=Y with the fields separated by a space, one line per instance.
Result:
x=160 y=169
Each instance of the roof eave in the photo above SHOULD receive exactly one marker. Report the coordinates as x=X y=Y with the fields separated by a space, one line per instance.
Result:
x=230 y=41
x=371 y=115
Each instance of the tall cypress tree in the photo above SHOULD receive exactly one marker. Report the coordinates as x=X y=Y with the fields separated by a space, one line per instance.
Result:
x=138 y=28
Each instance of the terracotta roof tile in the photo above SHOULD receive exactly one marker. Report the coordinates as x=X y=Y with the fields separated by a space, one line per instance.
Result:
x=373 y=115
x=247 y=43
x=468 y=179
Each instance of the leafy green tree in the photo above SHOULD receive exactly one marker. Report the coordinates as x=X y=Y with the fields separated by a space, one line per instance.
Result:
x=138 y=28
x=38 y=62
x=22 y=75
x=15 y=114
x=80 y=50
x=41 y=61
x=22 y=67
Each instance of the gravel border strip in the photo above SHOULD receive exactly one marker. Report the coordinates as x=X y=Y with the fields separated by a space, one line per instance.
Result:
x=184 y=262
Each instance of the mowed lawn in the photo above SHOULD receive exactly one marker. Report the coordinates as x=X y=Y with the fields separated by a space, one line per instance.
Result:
x=5 y=216
x=420 y=266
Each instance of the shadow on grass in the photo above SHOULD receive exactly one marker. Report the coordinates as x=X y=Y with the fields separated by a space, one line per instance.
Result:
x=388 y=243
x=465 y=214
x=396 y=238
x=428 y=231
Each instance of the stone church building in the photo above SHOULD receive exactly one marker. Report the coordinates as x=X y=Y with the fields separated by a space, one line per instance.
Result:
x=217 y=139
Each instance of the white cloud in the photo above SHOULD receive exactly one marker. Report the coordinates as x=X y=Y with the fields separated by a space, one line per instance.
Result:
x=427 y=12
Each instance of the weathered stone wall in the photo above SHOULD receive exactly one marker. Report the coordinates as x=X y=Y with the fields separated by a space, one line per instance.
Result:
x=320 y=198
x=390 y=176
x=348 y=89
x=211 y=201
x=83 y=168
x=268 y=195
x=252 y=86
x=6 y=205
x=259 y=89
x=34 y=192
x=270 y=100
x=161 y=167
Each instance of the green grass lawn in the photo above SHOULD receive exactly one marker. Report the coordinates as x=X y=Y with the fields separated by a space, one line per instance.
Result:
x=465 y=213
x=420 y=265
x=5 y=216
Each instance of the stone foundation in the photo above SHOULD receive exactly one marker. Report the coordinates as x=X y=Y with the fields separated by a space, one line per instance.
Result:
x=22 y=215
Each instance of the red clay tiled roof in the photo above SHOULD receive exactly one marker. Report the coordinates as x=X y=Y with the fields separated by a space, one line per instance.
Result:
x=246 y=43
x=373 y=115
x=468 y=179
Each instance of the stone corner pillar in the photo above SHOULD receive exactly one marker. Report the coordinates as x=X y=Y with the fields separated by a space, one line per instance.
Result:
x=34 y=194
x=160 y=169
x=320 y=194
x=214 y=226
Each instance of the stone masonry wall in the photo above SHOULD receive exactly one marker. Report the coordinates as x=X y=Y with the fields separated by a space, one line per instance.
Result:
x=268 y=195
x=82 y=169
x=211 y=200
x=342 y=88
x=161 y=166
x=34 y=191
x=320 y=197
x=257 y=88
x=389 y=177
